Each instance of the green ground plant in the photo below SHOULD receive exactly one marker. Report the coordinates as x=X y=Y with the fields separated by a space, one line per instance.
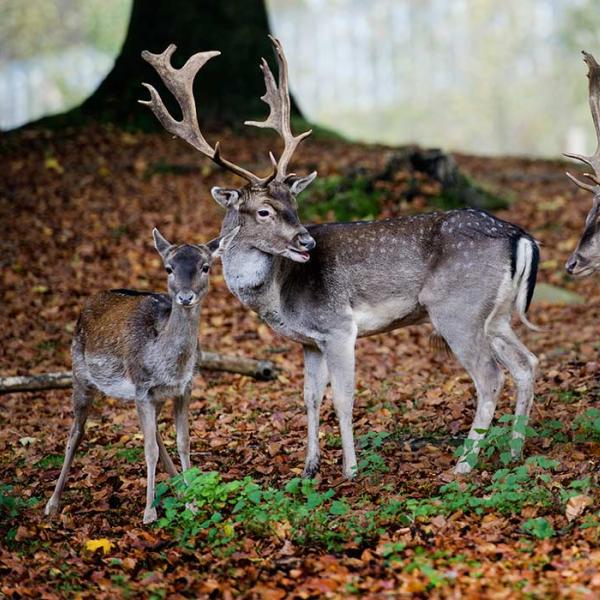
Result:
x=539 y=528
x=204 y=509
x=371 y=463
x=586 y=427
x=12 y=505
x=340 y=198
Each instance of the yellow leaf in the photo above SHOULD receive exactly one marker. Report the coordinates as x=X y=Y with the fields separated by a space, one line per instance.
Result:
x=217 y=321
x=128 y=139
x=93 y=545
x=450 y=384
x=53 y=165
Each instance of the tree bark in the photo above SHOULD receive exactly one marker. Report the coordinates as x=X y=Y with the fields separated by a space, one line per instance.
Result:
x=262 y=370
x=228 y=88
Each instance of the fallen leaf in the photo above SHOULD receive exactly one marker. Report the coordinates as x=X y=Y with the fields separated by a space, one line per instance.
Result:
x=27 y=441
x=576 y=505
x=52 y=164
x=103 y=543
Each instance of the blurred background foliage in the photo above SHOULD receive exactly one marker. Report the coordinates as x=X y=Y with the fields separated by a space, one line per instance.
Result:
x=471 y=75
x=32 y=29
x=54 y=53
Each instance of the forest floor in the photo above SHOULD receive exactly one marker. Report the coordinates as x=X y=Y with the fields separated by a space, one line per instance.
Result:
x=77 y=209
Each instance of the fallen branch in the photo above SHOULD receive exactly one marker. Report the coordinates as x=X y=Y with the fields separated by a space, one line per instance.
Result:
x=263 y=370
x=210 y=361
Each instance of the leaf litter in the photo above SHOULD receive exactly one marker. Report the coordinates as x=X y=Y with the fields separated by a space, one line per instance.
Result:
x=77 y=209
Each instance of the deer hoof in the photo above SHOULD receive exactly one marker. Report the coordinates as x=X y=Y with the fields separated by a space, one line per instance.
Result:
x=350 y=473
x=150 y=515
x=462 y=468
x=51 y=507
x=311 y=469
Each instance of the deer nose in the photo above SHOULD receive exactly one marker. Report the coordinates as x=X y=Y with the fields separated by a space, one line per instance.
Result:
x=185 y=298
x=574 y=260
x=306 y=241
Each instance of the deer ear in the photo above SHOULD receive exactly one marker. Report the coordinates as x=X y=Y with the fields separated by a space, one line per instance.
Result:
x=161 y=243
x=224 y=242
x=299 y=184
x=213 y=245
x=227 y=198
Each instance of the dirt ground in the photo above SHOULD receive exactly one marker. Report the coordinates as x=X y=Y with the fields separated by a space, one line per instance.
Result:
x=76 y=211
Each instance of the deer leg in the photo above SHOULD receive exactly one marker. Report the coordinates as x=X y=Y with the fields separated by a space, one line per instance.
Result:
x=522 y=366
x=181 y=409
x=340 y=362
x=82 y=399
x=165 y=459
x=471 y=347
x=315 y=382
x=147 y=415
x=488 y=379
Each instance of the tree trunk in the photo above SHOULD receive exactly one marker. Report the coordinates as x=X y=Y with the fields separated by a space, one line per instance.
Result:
x=228 y=88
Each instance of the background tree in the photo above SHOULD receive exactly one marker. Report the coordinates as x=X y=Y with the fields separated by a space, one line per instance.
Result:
x=230 y=85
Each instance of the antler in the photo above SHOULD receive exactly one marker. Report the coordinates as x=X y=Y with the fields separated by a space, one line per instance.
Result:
x=278 y=99
x=594 y=99
x=180 y=83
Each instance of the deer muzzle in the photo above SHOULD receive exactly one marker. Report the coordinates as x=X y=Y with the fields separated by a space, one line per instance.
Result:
x=299 y=251
x=306 y=241
x=578 y=265
x=186 y=298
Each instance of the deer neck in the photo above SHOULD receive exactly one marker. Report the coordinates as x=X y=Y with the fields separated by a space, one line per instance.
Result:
x=250 y=274
x=180 y=334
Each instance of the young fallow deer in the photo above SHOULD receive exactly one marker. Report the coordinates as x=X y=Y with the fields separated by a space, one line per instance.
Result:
x=585 y=260
x=464 y=270
x=142 y=346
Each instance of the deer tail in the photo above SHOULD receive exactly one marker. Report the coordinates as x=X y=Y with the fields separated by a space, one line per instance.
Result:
x=525 y=260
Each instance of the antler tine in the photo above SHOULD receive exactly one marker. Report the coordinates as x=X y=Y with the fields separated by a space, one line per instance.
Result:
x=180 y=82
x=594 y=101
x=586 y=186
x=278 y=98
x=593 y=177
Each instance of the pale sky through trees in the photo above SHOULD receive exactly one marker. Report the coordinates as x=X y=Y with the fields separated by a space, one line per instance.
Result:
x=472 y=75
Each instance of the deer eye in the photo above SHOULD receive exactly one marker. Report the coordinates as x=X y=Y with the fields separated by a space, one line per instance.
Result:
x=169 y=270
x=263 y=212
x=205 y=268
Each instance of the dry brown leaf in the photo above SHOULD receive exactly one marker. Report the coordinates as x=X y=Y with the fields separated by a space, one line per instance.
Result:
x=576 y=505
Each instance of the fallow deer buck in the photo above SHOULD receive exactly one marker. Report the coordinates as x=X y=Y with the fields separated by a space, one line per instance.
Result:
x=585 y=260
x=142 y=346
x=464 y=270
